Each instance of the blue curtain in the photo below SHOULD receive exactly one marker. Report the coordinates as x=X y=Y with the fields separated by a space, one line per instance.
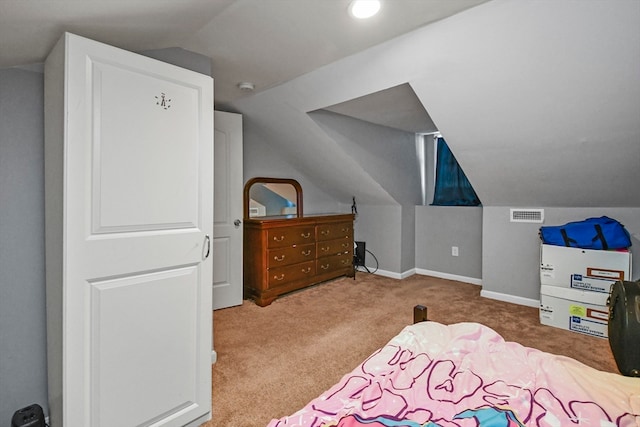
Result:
x=452 y=186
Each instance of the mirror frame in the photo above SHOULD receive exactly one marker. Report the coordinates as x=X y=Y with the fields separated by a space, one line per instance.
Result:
x=266 y=180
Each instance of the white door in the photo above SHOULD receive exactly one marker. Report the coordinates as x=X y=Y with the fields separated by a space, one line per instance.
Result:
x=227 y=226
x=131 y=314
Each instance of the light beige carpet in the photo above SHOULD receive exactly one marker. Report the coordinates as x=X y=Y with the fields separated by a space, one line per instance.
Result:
x=273 y=360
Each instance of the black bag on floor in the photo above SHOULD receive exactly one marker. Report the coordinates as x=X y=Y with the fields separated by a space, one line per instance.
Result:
x=624 y=326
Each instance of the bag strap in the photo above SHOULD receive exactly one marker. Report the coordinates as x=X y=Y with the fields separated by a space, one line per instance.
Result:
x=565 y=237
x=600 y=235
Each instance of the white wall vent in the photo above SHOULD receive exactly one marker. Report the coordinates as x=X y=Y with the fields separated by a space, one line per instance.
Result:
x=527 y=215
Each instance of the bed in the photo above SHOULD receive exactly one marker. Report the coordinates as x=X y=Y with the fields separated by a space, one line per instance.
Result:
x=466 y=374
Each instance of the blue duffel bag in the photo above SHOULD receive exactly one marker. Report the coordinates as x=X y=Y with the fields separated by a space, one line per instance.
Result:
x=592 y=233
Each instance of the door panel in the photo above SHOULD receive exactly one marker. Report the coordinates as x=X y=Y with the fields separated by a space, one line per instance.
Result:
x=161 y=355
x=227 y=280
x=137 y=213
x=154 y=162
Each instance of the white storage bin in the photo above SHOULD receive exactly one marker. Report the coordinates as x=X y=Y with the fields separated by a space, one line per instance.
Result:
x=584 y=269
x=575 y=310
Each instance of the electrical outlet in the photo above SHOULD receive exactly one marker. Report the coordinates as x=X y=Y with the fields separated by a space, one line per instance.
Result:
x=454 y=251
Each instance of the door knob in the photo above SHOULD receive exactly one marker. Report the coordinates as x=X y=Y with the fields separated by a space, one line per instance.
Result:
x=237 y=223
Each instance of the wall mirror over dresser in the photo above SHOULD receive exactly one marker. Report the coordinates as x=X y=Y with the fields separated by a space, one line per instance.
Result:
x=285 y=250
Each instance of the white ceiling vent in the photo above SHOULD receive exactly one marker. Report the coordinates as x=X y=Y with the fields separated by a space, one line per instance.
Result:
x=527 y=215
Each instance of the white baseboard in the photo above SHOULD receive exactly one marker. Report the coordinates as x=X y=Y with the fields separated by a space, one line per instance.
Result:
x=392 y=274
x=510 y=298
x=448 y=276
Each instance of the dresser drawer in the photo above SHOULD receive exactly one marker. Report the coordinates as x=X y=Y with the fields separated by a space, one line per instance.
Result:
x=342 y=230
x=282 y=275
x=333 y=247
x=334 y=262
x=281 y=237
x=279 y=257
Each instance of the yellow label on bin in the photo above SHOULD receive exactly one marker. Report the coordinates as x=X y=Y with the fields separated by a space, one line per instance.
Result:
x=577 y=310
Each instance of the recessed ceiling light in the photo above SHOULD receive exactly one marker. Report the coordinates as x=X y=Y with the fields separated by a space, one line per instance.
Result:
x=363 y=9
x=246 y=86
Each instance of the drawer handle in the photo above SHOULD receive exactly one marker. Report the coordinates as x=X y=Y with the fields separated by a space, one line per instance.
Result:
x=325 y=248
x=345 y=262
x=325 y=232
x=307 y=252
x=281 y=277
x=305 y=236
x=278 y=239
x=279 y=259
x=345 y=245
x=325 y=267
x=306 y=270
x=346 y=229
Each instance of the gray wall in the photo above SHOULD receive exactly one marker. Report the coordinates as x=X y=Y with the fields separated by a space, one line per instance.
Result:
x=438 y=228
x=511 y=251
x=533 y=93
x=408 y=236
x=261 y=158
x=23 y=355
x=380 y=227
x=389 y=157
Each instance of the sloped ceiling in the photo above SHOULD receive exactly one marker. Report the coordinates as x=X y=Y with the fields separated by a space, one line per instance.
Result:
x=539 y=101
x=397 y=107
x=266 y=42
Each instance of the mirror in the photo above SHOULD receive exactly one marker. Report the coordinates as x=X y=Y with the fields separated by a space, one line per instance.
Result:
x=272 y=197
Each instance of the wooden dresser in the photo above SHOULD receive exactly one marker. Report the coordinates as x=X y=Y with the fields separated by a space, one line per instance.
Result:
x=283 y=254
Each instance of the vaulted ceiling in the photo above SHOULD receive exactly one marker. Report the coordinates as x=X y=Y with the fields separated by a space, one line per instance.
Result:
x=539 y=100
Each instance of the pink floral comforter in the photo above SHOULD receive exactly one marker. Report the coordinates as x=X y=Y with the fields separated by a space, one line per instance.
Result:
x=433 y=375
